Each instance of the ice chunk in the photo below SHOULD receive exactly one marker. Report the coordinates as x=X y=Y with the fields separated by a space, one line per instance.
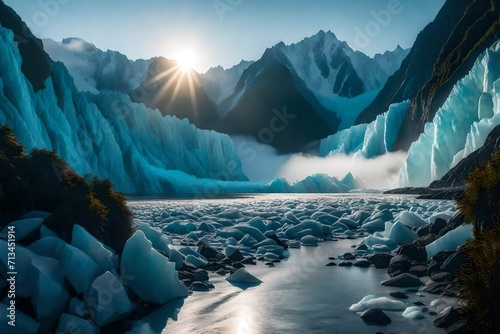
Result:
x=80 y=269
x=107 y=299
x=450 y=241
x=410 y=219
x=402 y=234
x=48 y=246
x=413 y=313
x=177 y=258
x=252 y=231
x=23 y=227
x=196 y=261
x=47 y=232
x=148 y=273
x=247 y=240
x=316 y=229
x=36 y=214
x=180 y=227
x=382 y=303
x=243 y=276
x=48 y=290
x=374 y=225
x=71 y=324
x=159 y=240
x=373 y=240
x=24 y=324
x=308 y=240
x=103 y=256
x=27 y=274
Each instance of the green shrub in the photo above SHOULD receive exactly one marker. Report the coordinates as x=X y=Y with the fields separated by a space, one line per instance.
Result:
x=43 y=181
x=479 y=279
x=481 y=200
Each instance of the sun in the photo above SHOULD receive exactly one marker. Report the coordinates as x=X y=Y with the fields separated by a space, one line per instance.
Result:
x=186 y=60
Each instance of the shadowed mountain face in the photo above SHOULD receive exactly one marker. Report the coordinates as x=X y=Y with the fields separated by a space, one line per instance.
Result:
x=36 y=63
x=477 y=30
x=314 y=79
x=176 y=92
x=274 y=111
x=442 y=54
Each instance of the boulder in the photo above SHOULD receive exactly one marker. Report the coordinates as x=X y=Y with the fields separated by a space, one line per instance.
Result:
x=398 y=265
x=380 y=260
x=447 y=317
x=376 y=316
x=403 y=281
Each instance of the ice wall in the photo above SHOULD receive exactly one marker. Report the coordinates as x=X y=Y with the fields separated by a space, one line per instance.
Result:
x=461 y=126
x=368 y=140
x=106 y=134
x=138 y=149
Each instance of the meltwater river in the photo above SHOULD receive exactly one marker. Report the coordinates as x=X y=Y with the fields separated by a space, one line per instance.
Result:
x=298 y=295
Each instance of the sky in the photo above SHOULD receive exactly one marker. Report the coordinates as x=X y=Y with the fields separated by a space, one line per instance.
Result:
x=223 y=32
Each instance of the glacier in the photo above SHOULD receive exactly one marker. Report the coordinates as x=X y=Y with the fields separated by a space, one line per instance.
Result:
x=460 y=126
x=138 y=149
x=367 y=140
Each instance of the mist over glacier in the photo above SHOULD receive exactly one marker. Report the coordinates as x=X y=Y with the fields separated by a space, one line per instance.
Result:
x=262 y=162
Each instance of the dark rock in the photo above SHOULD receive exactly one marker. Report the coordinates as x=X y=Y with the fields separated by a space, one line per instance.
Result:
x=209 y=253
x=438 y=225
x=269 y=264
x=398 y=265
x=426 y=240
x=418 y=303
x=376 y=316
x=434 y=265
x=345 y=264
x=398 y=295
x=236 y=256
x=200 y=275
x=447 y=318
x=435 y=288
x=362 y=263
x=423 y=230
x=419 y=270
x=278 y=241
x=403 y=281
x=380 y=260
x=457 y=328
x=455 y=222
x=413 y=252
x=221 y=272
x=330 y=264
x=432 y=313
x=348 y=256
x=332 y=258
x=361 y=247
x=442 y=277
x=453 y=262
x=249 y=260
x=238 y=265
x=199 y=286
